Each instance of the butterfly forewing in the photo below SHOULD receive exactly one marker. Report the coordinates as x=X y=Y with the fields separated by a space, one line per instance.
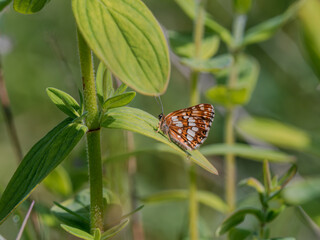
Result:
x=189 y=127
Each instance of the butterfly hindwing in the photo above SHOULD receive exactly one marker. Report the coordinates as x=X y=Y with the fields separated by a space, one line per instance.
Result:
x=189 y=127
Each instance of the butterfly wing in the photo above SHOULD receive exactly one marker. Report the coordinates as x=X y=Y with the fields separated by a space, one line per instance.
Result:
x=189 y=127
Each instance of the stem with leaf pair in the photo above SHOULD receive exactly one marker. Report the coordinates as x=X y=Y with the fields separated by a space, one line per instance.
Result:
x=230 y=169
x=195 y=98
x=93 y=134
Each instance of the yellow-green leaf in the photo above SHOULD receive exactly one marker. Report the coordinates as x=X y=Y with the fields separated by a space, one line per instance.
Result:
x=128 y=40
x=28 y=7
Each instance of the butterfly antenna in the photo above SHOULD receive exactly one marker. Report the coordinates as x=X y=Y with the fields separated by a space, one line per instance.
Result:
x=159 y=102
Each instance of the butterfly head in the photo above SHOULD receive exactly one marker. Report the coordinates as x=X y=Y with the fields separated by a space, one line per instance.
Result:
x=160 y=116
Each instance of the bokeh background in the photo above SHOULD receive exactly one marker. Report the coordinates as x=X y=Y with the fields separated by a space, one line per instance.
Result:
x=43 y=53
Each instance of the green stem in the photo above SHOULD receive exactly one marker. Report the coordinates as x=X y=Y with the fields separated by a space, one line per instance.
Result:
x=230 y=167
x=93 y=134
x=194 y=99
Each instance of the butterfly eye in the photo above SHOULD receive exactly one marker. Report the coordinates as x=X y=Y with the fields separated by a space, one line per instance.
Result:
x=160 y=116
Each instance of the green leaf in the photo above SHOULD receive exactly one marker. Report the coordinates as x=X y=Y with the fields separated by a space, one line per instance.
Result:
x=309 y=17
x=64 y=102
x=127 y=38
x=119 y=100
x=58 y=182
x=121 y=89
x=273 y=213
x=136 y=120
x=115 y=230
x=302 y=191
x=188 y=6
x=276 y=133
x=267 y=29
x=182 y=44
x=288 y=176
x=212 y=65
x=242 y=6
x=77 y=232
x=227 y=97
x=29 y=7
x=238 y=234
x=102 y=85
x=252 y=182
x=4 y=3
x=207 y=198
x=246 y=151
x=43 y=157
x=236 y=218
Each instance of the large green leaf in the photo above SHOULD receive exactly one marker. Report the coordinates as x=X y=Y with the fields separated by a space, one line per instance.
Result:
x=267 y=29
x=119 y=100
x=43 y=157
x=128 y=40
x=207 y=198
x=310 y=18
x=246 y=151
x=183 y=45
x=188 y=6
x=136 y=120
x=28 y=7
x=275 y=132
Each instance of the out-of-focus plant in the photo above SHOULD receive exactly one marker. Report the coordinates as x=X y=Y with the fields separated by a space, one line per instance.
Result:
x=272 y=204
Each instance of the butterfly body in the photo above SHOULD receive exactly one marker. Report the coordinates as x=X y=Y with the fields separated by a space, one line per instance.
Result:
x=188 y=127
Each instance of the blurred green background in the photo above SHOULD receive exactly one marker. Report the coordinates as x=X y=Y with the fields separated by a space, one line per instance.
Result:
x=44 y=54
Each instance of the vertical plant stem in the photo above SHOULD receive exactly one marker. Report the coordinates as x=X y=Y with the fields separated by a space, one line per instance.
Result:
x=194 y=99
x=230 y=167
x=93 y=134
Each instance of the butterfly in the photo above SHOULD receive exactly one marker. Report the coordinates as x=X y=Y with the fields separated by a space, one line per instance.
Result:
x=188 y=127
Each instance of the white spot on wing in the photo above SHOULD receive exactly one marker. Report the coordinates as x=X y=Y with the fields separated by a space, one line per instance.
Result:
x=190 y=132
x=179 y=131
x=195 y=129
x=191 y=124
x=178 y=124
x=189 y=138
x=174 y=118
x=185 y=117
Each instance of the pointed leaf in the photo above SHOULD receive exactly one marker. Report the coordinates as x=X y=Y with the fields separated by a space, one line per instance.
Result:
x=136 y=120
x=119 y=100
x=252 y=182
x=182 y=44
x=283 y=181
x=121 y=89
x=128 y=40
x=115 y=230
x=246 y=151
x=28 y=7
x=43 y=157
x=188 y=6
x=236 y=218
x=64 y=102
x=212 y=65
x=101 y=83
x=267 y=29
x=77 y=232
x=96 y=234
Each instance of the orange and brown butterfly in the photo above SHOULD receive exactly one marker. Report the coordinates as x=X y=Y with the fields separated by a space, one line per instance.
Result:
x=188 y=127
